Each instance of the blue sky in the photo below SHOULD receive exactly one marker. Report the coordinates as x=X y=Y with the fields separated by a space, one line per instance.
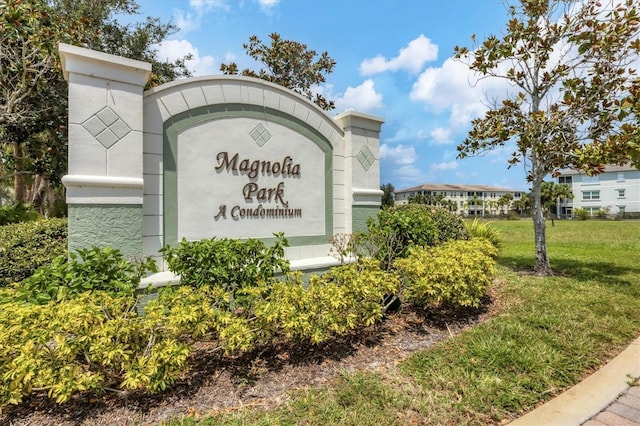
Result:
x=393 y=61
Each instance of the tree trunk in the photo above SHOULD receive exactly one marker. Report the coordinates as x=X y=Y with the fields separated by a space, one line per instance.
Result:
x=38 y=195
x=542 y=266
x=18 y=179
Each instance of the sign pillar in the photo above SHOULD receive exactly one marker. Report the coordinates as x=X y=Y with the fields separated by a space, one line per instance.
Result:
x=105 y=176
x=362 y=167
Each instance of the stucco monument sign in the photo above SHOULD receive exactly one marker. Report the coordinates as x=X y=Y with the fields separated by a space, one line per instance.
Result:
x=218 y=156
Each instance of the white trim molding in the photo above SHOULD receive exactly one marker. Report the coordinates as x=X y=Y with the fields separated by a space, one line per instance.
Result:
x=366 y=197
x=83 y=189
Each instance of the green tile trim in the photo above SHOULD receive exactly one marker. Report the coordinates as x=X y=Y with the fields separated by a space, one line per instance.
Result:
x=117 y=226
x=360 y=216
x=179 y=122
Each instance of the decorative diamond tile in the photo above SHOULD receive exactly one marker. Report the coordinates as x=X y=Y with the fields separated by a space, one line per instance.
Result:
x=107 y=116
x=120 y=129
x=260 y=134
x=107 y=138
x=107 y=127
x=366 y=158
x=94 y=126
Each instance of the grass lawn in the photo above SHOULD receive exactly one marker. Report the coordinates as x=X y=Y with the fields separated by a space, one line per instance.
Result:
x=552 y=333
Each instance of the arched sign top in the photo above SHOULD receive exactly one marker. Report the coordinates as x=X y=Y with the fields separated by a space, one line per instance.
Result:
x=179 y=96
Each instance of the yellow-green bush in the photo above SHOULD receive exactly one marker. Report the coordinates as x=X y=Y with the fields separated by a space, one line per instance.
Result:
x=456 y=273
x=346 y=298
x=88 y=343
x=481 y=229
x=97 y=340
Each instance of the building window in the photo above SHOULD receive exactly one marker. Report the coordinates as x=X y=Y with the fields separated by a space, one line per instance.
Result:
x=564 y=179
x=621 y=209
x=593 y=210
x=590 y=195
x=621 y=193
x=590 y=180
x=620 y=176
x=566 y=211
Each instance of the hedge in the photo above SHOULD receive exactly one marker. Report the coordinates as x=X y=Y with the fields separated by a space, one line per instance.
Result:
x=26 y=246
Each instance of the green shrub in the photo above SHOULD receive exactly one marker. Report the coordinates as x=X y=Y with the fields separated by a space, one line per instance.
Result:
x=581 y=214
x=456 y=273
x=385 y=245
x=603 y=213
x=227 y=263
x=17 y=213
x=450 y=226
x=401 y=227
x=481 y=229
x=24 y=247
x=413 y=223
x=87 y=270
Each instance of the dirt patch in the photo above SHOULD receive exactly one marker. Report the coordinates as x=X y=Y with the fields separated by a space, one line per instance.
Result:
x=262 y=378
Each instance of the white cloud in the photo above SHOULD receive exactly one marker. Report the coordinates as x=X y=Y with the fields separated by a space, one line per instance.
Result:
x=407 y=133
x=410 y=175
x=410 y=58
x=268 y=5
x=502 y=154
x=466 y=174
x=360 y=98
x=448 y=165
x=186 y=22
x=441 y=136
x=229 y=57
x=399 y=154
x=209 y=4
x=403 y=168
x=453 y=87
x=445 y=86
x=170 y=50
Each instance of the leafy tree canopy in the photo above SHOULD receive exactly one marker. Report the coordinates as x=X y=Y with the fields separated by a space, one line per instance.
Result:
x=387 y=195
x=551 y=191
x=33 y=93
x=290 y=64
x=570 y=67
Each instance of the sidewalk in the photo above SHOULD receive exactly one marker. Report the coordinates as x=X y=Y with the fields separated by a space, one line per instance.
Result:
x=623 y=411
x=604 y=398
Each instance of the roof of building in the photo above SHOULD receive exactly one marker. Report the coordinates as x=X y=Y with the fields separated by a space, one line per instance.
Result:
x=449 y=187
x=607 y=168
